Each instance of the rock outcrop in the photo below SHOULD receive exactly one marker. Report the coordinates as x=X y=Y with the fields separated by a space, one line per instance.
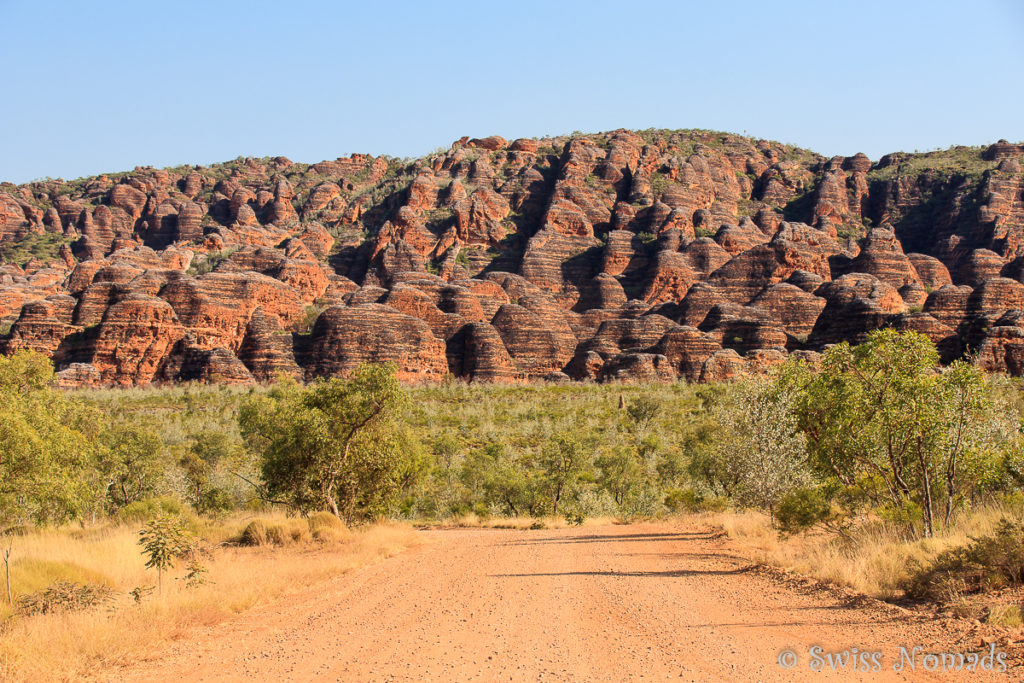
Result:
x=619 y=256
x=346 y=336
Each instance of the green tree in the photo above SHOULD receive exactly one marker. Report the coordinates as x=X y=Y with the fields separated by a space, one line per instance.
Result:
x=641 y=412
x=699 y=459
x=761 y=447
x=131 y=463
x=621 y=472
x=441 y=491
x=502 y=481
x=883 y=420
x=982 y=436
x=48 y=444
x=163 y=540
x=209 y=452
x=331 y=445
x=563 y=461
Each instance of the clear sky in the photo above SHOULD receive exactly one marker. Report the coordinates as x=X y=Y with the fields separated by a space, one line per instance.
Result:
x=90 y=87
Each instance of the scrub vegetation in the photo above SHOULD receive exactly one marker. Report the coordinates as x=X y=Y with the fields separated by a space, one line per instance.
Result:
x=131 y=512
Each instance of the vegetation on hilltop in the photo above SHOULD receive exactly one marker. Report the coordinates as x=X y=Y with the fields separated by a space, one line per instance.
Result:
x=378 y=184
x=956 y=160
x=44 y=247
x=43 y=191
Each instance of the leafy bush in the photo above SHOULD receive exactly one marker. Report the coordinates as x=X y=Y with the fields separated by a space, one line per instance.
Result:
x=139 y=593
x=309 y=318
x=659 y=183
x=195 y=572
x=642 y=411
x=150 y=508
x=647 y=238
x=202 y=266
x=802 y=509
x=761 y=445
x=689 y=500
x=986 y=563
x=65 y=596
x=905 y=515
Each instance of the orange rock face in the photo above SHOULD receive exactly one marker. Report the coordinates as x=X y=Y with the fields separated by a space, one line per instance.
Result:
x=620 y=256
x=134 y=337
x=217 y=307
x=345 y=337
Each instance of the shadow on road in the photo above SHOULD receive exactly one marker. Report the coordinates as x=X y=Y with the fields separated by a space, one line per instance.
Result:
x=669 y=574
x=597 y=538
x=869 y=621
x=713 y=557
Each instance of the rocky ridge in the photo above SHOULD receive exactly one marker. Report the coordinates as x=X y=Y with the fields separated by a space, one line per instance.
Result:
x=647 y=255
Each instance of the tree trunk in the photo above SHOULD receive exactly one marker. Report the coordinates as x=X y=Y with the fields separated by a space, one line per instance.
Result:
x=954 y=453
x=7 y=572
x=950 y=483
x=929 y=519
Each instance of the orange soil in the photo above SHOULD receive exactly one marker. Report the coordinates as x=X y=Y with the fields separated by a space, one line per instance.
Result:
x=614 y=603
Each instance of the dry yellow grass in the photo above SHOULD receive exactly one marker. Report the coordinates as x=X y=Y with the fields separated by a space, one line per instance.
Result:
x=68 y=646
x=872 y=559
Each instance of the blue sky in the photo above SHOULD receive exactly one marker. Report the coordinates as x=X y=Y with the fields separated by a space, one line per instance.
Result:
x=105 y=86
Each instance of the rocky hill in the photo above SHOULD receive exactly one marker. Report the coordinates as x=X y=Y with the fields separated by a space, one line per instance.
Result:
x=649 y=255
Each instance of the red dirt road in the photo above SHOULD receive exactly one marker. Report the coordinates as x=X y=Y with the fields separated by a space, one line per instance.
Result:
x=615 y=603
